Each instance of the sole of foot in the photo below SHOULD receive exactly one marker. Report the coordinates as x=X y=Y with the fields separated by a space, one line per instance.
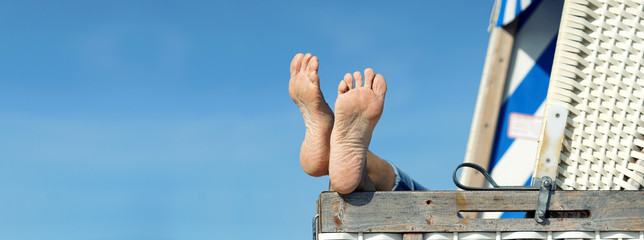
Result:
x=357 y=111
x=304 y=89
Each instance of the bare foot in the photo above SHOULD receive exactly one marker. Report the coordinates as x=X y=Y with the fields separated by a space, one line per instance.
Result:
x=304 y=88
x=357 y=110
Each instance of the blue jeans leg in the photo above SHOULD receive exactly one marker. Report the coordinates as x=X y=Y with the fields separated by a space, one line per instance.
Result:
x=404 y=182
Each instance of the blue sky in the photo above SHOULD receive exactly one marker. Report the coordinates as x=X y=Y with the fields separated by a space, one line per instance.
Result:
x=172 y=120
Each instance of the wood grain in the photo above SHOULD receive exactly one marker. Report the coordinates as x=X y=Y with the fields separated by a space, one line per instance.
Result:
x=488 y=103
x=436 y=211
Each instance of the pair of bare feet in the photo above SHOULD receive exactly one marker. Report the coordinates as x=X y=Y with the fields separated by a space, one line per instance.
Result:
x=338 y=144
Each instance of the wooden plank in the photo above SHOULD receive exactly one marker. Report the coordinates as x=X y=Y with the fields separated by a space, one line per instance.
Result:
x=436 y=211
x=488 y=103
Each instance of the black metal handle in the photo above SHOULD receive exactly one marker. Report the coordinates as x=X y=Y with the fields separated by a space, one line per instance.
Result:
x=495 y=186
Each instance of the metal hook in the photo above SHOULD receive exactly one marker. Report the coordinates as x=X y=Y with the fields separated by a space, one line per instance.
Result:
x=544 y=185
x=495 y=186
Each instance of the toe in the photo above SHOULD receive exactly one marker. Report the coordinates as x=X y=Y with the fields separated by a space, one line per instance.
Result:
x=343 y=87
x=313 y=76
x=348 y=79
x=379 y=85
x=368 y=77
x=295 y=64
x=313 y=64
x=305 y=62
x=358 y=77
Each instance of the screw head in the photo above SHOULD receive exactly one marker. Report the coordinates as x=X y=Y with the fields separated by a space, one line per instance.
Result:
x=546 y=183
x=540 y=213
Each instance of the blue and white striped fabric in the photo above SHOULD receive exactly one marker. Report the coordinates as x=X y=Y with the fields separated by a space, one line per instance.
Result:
x=515 y=145
x=510 y=9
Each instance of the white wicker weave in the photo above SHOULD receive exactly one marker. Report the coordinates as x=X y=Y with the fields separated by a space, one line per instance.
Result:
x=534 y=235
x=360 y=236
x=598 y=76
x=490 y=236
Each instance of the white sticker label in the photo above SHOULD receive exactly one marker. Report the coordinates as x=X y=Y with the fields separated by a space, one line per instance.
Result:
x=524 y=126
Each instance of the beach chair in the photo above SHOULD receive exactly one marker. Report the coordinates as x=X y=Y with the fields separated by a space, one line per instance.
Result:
x=588 y=179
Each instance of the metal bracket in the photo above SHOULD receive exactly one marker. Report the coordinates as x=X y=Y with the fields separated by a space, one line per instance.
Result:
x=546 y=187
x=550 y=143
x=316 y=220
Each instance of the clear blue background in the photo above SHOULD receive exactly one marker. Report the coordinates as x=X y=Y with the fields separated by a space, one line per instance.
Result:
x=172 y=120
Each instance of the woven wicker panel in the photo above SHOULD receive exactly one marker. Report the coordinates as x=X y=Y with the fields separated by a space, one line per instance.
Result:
x=533 y=235
x=490 y=236
x=598 y=75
